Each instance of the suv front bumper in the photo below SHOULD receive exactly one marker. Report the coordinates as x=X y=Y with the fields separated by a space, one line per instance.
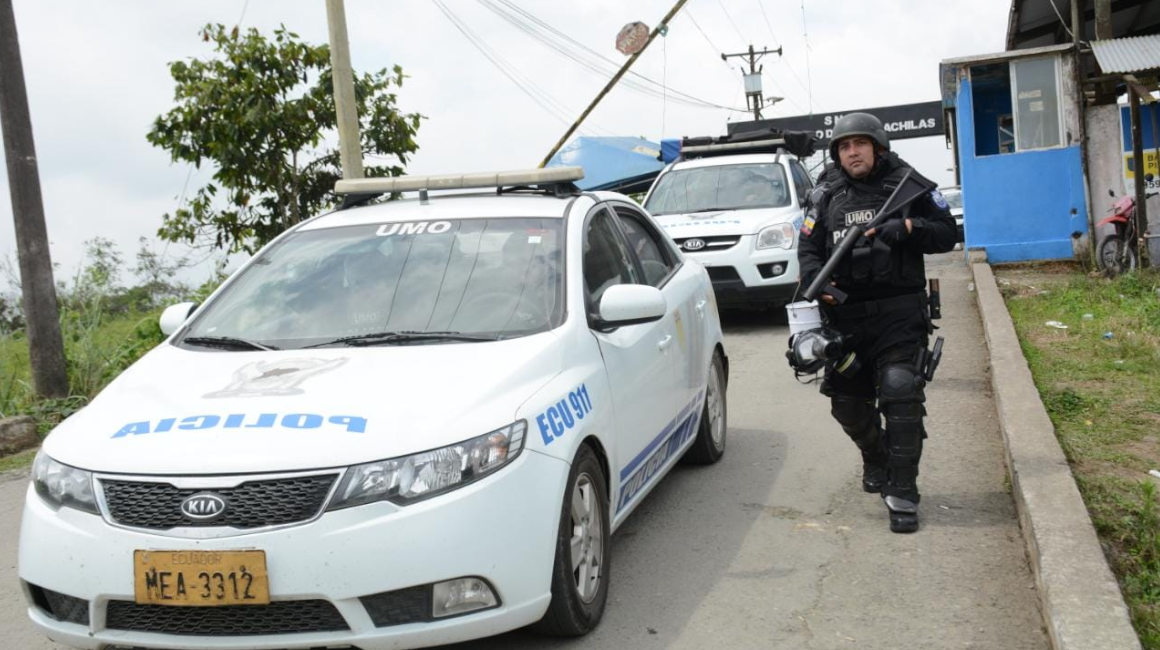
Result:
x=742 y=275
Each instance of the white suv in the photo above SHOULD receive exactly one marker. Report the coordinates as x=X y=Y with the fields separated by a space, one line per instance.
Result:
x=735 y=207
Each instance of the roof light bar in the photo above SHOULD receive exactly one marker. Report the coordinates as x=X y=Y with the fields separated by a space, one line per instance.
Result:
x=732 y=146
x=545 y=176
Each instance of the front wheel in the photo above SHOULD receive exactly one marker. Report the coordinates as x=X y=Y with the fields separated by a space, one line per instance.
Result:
x=1116 y=256
x=709 y=445
x=581 y=568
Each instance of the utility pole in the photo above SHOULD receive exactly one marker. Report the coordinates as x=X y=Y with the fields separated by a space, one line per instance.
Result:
x=662 y=28
x=41 y=314
x=349 y=144
x=753 y=77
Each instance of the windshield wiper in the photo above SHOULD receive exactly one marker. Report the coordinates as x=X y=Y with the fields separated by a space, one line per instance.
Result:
x=230 y=342
x=390 y=338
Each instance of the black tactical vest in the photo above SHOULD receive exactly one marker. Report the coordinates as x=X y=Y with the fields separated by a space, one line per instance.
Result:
x=872 y=269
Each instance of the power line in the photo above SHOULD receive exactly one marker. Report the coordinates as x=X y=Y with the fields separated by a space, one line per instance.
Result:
x=586 y=56
x=730 y=19
x=542 y=98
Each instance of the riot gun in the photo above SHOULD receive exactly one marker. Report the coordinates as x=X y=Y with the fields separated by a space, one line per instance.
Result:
x=812 y=347
x=912 y=186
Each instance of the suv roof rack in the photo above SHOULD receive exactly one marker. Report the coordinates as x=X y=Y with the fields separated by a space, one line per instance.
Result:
x=557 y=181
x=768 y=140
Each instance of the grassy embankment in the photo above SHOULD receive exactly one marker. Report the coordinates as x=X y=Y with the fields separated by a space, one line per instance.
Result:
x=1093 y=346
x=98 y=347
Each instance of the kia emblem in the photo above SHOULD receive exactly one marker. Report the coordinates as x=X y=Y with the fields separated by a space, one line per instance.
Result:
x=203 y=506
x=693 y=244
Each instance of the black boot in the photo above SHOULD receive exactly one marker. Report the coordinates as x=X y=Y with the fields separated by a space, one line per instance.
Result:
x=873 y=475
x=903 y=514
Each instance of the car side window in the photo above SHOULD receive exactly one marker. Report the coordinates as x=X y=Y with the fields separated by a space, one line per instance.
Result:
x=801 y=181
x=607 y=261
x=656 y=258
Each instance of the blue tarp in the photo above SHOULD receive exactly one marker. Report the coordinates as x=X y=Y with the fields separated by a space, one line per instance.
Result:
x=623 y=164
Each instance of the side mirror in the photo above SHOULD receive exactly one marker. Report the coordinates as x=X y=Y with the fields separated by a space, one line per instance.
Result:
x=630 y=304
x=174 y=315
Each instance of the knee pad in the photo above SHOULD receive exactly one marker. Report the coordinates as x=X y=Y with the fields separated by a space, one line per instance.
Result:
x=900 y=383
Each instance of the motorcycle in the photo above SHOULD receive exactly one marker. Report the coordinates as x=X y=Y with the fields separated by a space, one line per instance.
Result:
x=1116 y=251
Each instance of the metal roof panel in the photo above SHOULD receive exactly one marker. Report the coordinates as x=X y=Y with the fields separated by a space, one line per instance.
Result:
x=1128 y=54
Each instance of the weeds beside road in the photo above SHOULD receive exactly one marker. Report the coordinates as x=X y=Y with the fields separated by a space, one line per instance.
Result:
x=1093 y=346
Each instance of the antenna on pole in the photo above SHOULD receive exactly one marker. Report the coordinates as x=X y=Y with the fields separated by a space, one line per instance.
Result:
x=753 y=77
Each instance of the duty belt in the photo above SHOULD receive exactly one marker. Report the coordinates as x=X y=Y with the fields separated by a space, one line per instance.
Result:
x=859 y=310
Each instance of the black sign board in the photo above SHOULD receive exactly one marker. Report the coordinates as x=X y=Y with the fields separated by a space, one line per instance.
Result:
x=902 y=121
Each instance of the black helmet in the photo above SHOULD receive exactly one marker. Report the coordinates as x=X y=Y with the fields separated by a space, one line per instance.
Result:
x=858 y=124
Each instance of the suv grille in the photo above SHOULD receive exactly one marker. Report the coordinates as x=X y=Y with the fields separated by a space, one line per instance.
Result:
x=718 y=243
x=252 y=504
x=279 y=617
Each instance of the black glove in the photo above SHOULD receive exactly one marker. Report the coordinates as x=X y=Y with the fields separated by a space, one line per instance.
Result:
x=892 y=232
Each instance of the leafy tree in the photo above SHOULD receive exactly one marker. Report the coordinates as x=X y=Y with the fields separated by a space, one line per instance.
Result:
x=262 y=112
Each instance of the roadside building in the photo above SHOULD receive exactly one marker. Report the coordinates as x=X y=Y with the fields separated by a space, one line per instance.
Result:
x=1038 y=131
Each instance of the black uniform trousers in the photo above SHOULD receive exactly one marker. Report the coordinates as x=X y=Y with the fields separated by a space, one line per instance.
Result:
x=887 y=337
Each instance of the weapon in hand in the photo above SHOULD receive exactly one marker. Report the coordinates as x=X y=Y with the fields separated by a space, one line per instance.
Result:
x=912 y=186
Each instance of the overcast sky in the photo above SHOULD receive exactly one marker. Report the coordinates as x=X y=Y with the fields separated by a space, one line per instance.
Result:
x=97 y=76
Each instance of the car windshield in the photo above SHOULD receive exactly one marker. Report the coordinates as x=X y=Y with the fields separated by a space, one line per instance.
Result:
x=954 y=198
x=394 y=283
x=721 y=187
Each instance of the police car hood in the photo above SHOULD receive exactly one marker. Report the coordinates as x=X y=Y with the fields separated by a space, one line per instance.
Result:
x=181 y=411
x=714 y=223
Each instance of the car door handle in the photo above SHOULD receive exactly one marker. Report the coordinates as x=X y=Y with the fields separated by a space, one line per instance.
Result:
x=665 y=342
x=701 y=308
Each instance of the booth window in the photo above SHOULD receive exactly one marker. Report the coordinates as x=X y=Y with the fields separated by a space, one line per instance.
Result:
x=1016 y=106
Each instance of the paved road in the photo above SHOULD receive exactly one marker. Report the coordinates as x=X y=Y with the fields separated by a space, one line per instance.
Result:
x=776 y=546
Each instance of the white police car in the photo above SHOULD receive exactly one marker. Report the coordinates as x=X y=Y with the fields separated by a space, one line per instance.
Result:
x=400 y=424
x=735 y=204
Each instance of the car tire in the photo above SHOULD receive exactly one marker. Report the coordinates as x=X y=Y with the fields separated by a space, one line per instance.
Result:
x=709 y=445
x=580 y=585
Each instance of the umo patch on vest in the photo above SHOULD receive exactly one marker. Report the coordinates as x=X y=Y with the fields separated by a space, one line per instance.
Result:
x=859 y=217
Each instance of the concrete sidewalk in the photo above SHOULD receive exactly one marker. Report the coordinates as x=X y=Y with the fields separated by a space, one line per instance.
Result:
x=1080 y=600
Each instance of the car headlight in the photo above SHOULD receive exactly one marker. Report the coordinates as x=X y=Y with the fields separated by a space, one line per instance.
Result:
x=776 y=236
x=63 y=486
x=419 y=476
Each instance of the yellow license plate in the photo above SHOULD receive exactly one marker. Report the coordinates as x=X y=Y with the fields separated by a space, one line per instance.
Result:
x=200 y=578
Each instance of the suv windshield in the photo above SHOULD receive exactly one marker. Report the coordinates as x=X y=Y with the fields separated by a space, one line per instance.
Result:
x=721 y=187
x=392 y=283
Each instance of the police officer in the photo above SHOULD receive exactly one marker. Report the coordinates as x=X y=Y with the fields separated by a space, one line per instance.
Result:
x=877 y=301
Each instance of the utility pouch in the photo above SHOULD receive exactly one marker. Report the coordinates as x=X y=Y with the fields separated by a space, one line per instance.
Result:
x=933 y=301
x=928 y=360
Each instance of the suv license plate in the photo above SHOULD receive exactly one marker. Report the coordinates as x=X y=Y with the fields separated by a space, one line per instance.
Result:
x=200 y=578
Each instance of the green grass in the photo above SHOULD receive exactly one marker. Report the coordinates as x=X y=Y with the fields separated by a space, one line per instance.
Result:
x=97 y=348
x=1100 y=382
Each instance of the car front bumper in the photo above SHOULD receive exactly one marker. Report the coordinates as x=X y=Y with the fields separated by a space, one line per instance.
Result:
x=745 y=275
x=502 y=529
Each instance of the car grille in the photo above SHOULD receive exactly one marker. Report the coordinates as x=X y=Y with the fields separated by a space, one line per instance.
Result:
x=718 y=243
x=279 y=617
x=252 y=504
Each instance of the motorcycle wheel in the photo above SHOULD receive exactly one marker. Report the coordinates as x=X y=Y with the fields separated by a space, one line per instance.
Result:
x=1114 y=256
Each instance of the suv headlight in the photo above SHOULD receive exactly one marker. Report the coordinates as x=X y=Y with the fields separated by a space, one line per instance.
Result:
x=419 y=476
x=776 y=236
x=63 y=486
